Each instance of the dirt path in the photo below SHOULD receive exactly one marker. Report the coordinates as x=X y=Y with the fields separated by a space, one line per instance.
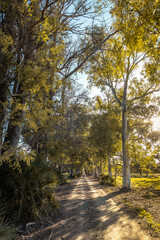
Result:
x=88 y=213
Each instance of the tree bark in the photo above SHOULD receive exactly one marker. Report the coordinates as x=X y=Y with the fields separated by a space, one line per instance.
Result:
x=15 y=125
x=109 y=167
x=3 y=99
x=96 y=174
x=14 y=131
x=126 y=164
x=115 y=173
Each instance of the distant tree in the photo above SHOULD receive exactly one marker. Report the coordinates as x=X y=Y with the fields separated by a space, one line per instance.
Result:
x=142 y=140
x=105 y=132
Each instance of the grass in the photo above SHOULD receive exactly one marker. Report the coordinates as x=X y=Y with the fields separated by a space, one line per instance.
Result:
x=142 y=182
x=144 y=200
x=144 y=214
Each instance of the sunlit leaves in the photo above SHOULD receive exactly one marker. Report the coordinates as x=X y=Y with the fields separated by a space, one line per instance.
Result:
x=142 y=157
x=5 y=42
x=138 y=21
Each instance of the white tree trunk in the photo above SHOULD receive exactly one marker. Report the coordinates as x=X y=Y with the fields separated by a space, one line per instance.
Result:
x=126 y=164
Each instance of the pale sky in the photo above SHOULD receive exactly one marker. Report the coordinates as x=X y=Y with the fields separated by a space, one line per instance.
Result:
x=156 y=123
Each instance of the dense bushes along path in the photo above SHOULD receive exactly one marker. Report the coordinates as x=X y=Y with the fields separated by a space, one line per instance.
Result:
x=88 y=213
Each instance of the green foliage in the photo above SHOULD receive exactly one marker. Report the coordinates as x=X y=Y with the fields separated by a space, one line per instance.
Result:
x=15 y=156
x=144 y=214
x=107 y=180
x=29 y=195
x=142 y=158
x=60 y=178
x=105 y=133
x=7 y=231
x=138 y=20
x=147 y=182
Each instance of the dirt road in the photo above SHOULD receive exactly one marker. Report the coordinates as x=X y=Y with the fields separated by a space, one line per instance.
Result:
x=88 y=213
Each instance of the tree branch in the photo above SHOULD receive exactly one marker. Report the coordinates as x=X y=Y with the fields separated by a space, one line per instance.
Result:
x=88 y=56
x=147 y=92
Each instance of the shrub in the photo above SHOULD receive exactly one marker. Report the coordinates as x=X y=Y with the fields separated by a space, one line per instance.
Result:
x=79 y=174
x=107 y=180
x=7 y=231
x=29 y=194
x=60 y=177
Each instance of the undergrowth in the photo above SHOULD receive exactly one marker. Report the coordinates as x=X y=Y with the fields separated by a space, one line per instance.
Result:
x=7 y=231
x=29 y=195
x=142 y=213
x=107 y=180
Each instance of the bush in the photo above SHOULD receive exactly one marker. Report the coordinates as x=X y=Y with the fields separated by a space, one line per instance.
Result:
x=107 y=180
x=7 y=231
x=29 y=194
x=60 y=177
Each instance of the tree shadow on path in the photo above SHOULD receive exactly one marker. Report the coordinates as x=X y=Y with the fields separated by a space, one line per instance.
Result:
x=87 y=213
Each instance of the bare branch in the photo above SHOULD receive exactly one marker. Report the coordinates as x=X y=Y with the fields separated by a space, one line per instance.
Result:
x=115 y=95
x=147 y=92
x=89 y=55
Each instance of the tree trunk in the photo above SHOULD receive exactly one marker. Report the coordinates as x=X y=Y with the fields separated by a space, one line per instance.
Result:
x=115 y=173
x=14 y=131
x=99 y=169
x=126 y=164
x=3 y=99
x=72 y=172
x=109 y=167
x=96 y=171
x=15 y=126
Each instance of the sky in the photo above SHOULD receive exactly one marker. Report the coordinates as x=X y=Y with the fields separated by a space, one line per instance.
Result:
x=94 y=91
x=156 y=123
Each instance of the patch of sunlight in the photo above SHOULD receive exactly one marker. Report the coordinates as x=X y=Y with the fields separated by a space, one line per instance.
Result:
x=143 y=182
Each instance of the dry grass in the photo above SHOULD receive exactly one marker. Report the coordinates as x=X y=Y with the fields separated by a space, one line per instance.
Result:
x=144 y=201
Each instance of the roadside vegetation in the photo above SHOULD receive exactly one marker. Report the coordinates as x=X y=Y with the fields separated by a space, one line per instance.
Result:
x=142 y=201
